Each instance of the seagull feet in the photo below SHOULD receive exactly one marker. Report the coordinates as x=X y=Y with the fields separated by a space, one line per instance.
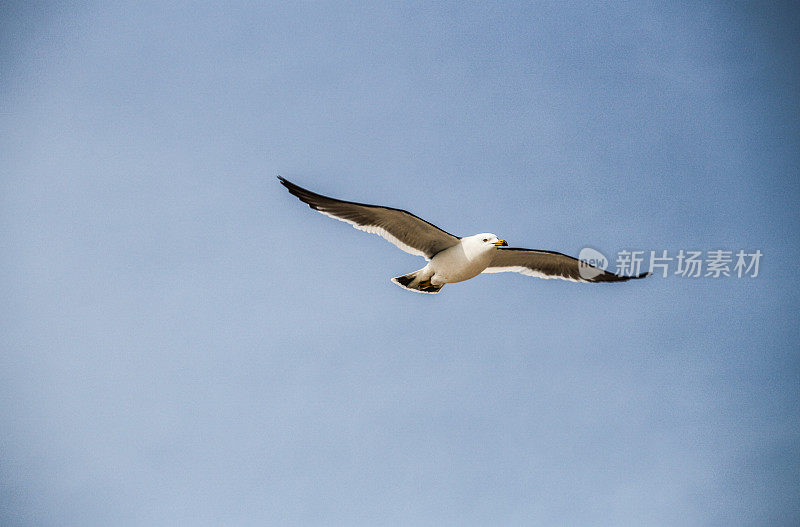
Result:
x=428 y=287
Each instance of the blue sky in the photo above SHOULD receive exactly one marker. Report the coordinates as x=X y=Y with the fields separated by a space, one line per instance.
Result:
x=184 y=343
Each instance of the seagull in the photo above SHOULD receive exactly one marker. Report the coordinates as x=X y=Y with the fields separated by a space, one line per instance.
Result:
x=450 y=259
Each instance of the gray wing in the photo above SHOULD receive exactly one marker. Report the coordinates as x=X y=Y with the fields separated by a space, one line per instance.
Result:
x=547 y=264
x=410 y=233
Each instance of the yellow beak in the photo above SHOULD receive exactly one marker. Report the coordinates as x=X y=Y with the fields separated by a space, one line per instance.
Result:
x=501 y=243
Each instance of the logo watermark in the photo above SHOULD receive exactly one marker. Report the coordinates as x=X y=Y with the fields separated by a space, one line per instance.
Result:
x=715 y=263
x=592 y=263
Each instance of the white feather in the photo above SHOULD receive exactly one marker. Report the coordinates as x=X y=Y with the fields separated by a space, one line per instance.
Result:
x=529 y=272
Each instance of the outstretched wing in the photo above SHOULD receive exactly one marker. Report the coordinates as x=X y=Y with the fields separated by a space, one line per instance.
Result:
x=410 y=233
x=547 y=264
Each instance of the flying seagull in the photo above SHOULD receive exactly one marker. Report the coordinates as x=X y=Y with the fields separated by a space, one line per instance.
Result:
x=450 y=258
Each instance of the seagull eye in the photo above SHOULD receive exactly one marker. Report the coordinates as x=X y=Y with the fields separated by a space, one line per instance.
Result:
x=486 y=239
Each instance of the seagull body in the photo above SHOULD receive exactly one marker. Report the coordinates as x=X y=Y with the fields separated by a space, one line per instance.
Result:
x=450 y=259
x=467 y=259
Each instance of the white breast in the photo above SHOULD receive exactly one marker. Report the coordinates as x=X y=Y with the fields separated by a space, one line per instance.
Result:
x=460 y=262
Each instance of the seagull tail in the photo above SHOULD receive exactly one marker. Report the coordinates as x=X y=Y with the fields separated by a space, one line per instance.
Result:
x=413 y=282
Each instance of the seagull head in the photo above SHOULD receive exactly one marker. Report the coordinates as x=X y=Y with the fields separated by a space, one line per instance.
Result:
x=489 y=239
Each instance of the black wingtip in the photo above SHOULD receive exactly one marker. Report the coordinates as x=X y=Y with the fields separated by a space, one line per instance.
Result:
x=611 y=277
x=311 y=199
x=294 y=189
x=624 y=278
